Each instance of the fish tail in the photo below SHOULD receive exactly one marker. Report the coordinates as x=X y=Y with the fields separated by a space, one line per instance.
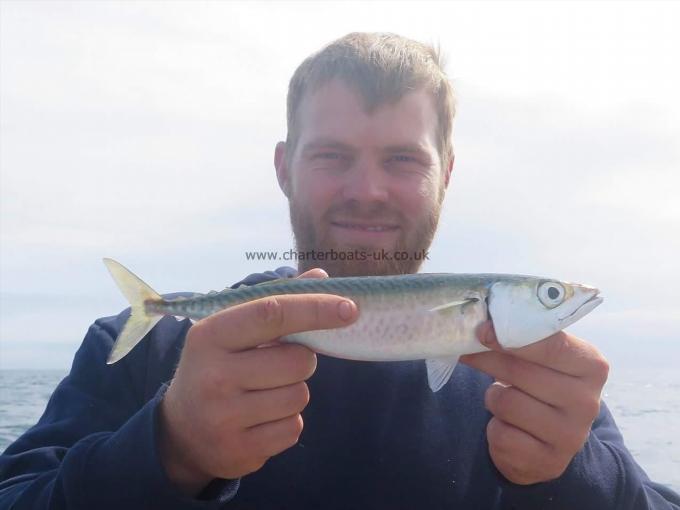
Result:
x=140 y=322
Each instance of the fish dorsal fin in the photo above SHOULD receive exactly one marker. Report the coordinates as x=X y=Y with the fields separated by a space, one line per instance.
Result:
x=439 y=371
x=446 y=307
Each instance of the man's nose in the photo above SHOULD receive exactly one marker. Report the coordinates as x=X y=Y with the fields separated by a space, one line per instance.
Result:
x=366 y=182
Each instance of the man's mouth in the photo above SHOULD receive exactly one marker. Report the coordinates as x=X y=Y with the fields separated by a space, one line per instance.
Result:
x=365 y=227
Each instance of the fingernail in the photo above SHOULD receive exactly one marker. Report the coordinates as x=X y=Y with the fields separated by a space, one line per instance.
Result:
x=345 y=310
x=491 y=394
x=486 y=338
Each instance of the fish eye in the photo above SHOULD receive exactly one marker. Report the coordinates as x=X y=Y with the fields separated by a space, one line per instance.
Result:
x=551 y=294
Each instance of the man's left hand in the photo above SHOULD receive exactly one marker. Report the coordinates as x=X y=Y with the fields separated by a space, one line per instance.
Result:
x=544 y=401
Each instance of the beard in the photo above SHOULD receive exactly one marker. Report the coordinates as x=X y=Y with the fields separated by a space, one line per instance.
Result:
x=415 y=237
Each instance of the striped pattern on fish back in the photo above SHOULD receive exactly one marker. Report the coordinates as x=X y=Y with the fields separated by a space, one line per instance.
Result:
x=204 y=305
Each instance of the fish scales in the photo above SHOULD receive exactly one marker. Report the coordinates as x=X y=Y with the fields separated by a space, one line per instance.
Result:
x=395 y=322
x=202 y=305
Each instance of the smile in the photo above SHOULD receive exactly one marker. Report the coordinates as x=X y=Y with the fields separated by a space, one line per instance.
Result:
x=365 y=227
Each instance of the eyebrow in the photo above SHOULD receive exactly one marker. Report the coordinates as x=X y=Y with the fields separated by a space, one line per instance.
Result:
x=328 y=143
x=325 y=143
x=412 y=148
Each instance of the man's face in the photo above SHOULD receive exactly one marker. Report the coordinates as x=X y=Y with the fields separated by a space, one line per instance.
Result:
x=370 y=183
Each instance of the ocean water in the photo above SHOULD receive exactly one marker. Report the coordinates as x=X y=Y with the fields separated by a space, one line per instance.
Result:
x=646 y=407
x=645 y=404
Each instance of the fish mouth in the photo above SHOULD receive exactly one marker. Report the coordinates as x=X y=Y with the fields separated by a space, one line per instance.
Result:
x=585 y=308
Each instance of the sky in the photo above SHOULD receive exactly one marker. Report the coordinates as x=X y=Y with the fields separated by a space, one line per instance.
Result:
x=145 y=132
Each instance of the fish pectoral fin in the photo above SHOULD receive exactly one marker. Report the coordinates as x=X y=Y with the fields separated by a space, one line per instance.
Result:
x=453 y=304
x=439 y=371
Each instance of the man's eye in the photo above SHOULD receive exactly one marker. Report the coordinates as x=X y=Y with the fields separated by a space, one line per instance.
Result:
x=403 y=164
x=328 y=155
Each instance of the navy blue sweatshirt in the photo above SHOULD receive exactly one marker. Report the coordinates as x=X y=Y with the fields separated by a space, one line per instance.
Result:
x=375 y=437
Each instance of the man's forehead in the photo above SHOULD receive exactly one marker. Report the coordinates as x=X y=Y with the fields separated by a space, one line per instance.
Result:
x=336 y=111
x=335 y=95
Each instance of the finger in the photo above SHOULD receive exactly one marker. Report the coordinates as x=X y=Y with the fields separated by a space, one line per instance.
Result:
x=486 y=334
x=266 y=406
x=545 y=384
x=317 y=272
x=519 y=456
x=542 y=421
x=560 y=351
x=278 y=365
x=269 y=439
x=249 y=324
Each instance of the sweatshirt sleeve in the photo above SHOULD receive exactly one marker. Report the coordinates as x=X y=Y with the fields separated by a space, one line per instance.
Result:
x=602 y=475
x=95 y=445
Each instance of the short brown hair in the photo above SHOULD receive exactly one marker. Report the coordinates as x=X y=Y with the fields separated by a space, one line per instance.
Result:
x=383 y=67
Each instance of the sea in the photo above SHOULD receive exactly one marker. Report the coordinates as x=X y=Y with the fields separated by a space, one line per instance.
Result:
x=645 y=405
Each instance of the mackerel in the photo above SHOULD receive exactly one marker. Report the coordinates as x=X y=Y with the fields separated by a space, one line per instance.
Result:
x=428 y=316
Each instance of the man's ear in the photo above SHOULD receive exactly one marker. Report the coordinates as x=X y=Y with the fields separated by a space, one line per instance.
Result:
x=281 y=166
x=449 y=170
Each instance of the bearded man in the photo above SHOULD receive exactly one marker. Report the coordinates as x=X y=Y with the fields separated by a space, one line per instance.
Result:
x=202 y=416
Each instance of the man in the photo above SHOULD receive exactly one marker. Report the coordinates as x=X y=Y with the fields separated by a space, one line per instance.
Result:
x=365 y=166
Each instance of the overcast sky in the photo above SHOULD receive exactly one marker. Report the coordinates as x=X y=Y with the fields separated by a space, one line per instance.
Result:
x=145 y=132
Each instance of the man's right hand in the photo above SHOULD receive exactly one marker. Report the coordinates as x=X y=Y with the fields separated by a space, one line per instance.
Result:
x=234 y=402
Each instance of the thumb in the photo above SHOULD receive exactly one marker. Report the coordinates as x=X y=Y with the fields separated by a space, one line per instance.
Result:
x=317 y=272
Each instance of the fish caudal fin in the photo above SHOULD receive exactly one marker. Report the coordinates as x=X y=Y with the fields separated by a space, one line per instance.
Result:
x=140 y=322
